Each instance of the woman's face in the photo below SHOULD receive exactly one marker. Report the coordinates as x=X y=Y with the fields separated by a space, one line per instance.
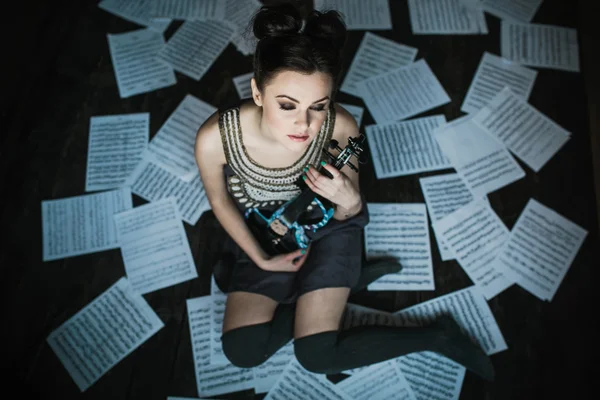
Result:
x=294 y=107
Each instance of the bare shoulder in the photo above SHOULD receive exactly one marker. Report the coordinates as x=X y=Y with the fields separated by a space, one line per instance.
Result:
x=208 y=140
x=345 y=125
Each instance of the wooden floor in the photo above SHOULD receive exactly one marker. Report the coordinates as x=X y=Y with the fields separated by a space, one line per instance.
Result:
x=57 y=73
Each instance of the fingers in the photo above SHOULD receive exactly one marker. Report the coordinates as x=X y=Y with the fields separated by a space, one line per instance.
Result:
x=294 y=254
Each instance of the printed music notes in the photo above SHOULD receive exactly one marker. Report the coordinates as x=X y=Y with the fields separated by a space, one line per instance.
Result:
x=103 y=333
x=360 y=14
x=446 y=17
x=518 y=10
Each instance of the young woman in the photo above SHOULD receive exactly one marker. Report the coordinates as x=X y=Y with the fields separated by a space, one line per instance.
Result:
x=258 y=155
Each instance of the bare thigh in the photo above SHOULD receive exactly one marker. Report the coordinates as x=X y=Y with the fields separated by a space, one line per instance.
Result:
x=245 y=308
x=320 y=311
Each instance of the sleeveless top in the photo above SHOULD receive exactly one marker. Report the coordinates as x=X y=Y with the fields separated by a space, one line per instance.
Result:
x=252 y=185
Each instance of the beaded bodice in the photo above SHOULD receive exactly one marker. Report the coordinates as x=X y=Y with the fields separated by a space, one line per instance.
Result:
x=253 y=185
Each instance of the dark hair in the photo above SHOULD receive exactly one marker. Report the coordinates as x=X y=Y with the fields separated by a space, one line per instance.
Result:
x=285 y=43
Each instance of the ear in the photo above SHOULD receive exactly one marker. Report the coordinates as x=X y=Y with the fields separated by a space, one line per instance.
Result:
x=256 y=95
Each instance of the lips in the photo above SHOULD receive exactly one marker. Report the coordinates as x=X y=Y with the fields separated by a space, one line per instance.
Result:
x=298 y=138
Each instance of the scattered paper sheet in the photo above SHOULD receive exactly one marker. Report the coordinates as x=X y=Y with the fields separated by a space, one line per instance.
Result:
x=242 y=85
x=540 y=250
x=136 y=11
x=432 y=376
x=188 y=9
x=103 y=333
x=298 y=383
x=360 y=14
x=444 y=194
x=173 y=144
x=240 y=13
x=469 y=309
x=355 y=111
x=446 y=17
x=196 y=45
x=375 y=55
x=405 y=148
x=518 y=10
x=82 y=224
x=115 y=146
x=134 y=60
x=402 y=93
x=217 y=312
x=212 y=380
x=475 y=234
x=538 y=45
x=483 y=163
x=528 y=133
x=382 y=381
x=494 y=74
x=152 y=182
x=267 y=374
x=155 y=248
x=400 y=231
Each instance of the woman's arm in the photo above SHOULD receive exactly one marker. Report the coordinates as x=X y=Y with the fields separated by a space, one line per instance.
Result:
x=344 y=189
x=210 y=158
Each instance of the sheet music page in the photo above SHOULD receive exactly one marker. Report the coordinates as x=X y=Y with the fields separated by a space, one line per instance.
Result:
x=382 y=381
x=217 y=311
x=483 y=163
x=406 y=148
x=240 y=12
x=475 y=234
x=152 y=182
x=528 y=133
x=104 y=332
x=212 y=380
x=360 y=14
x=82 y=224
x=115 y=146
x=242 y=85
x=136 y=11
x=196 y=45
x=469 y=309
x=137 y=70
x=443 y=195
x=538 y=45
x=375 y=55
x=432 y=376
x=400 y=231
x=402 y=93
x=267 y=374
x=494 y=74
x=155 y=248
x=355 y=111
x=446 y=17
x=188 y=9
x=173 y=144
x=298 y=383
x=518 y=10
x=540 y=250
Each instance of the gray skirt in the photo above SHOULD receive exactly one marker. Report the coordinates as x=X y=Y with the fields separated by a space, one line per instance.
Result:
x=335 y=260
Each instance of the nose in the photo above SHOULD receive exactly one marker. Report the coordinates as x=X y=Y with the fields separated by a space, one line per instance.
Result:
x=303 y=121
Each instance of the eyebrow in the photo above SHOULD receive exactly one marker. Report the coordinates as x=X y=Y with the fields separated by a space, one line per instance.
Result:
x=294 y=100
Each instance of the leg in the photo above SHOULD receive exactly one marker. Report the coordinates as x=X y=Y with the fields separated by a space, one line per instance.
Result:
x=320 y=348
x=254 y=328
x=375 y=269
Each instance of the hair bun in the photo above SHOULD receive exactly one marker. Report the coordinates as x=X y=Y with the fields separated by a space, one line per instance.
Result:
x=328 y=26
x=280 y=20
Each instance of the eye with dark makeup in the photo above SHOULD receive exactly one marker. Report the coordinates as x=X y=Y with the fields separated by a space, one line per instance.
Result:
x=288 y=107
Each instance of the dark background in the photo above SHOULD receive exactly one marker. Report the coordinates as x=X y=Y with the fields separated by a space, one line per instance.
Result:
x=57 y=73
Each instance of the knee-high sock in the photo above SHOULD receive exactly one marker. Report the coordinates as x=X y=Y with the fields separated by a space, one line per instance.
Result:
x=374 y=270
x=332 y=352
x=250 y=346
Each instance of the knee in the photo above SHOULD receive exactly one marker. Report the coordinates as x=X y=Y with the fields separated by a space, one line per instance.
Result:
x=316 y=352
x=243 y=347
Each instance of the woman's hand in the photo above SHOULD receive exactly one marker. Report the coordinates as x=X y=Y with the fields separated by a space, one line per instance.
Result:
x=290 y=262
x=339 y=190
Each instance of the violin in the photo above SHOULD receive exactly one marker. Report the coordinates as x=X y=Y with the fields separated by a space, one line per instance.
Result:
x=280 y=231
